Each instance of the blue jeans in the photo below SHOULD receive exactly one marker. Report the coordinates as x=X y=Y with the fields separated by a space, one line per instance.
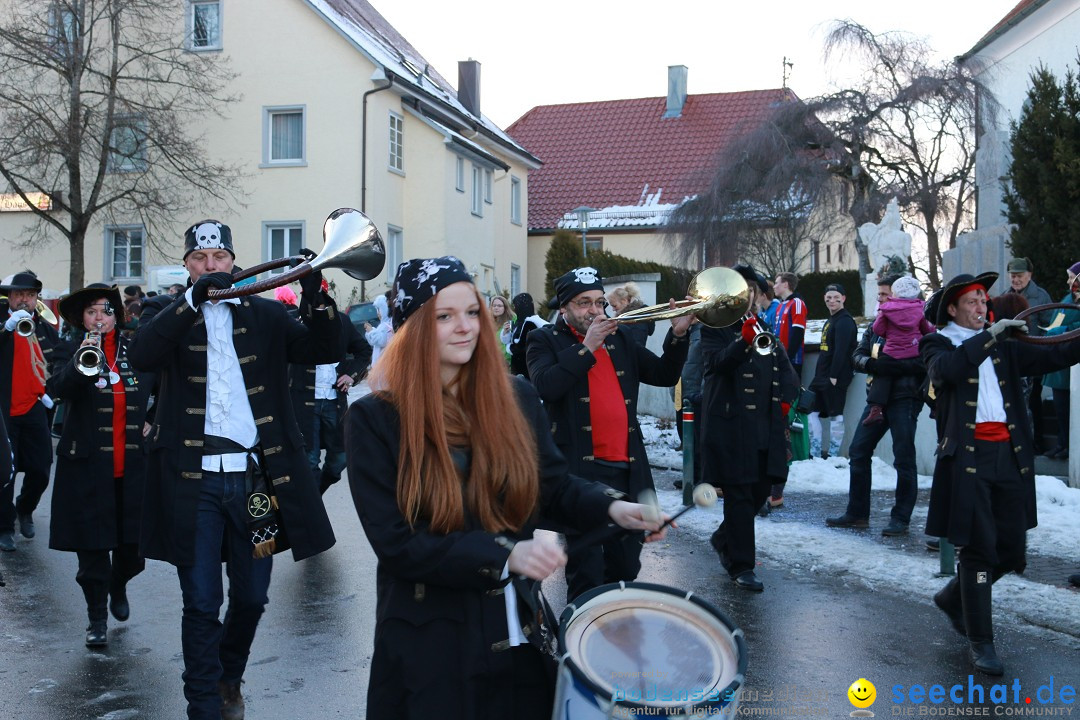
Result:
x=901 y=416
x=214 y=651
x=325 y=433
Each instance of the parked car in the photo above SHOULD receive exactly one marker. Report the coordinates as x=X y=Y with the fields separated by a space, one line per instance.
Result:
x=363 y=313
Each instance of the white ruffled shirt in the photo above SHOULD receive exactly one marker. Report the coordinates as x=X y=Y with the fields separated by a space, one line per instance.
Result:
x=228 y=411
x=991 y=404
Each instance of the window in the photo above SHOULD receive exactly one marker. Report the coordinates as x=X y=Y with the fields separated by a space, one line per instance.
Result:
x=592 y=244
x=828 y=253
x=459 y=175
x=124 y=248
x=477 y=191
x=284 y=134
x=397 y=140
x=515 y=280
x=840 y=252
x=395 y=251
x=127 y=146
x=515 y=201
x=63 y=29
x=283 y=240
x=487 y=186
x=205 y=25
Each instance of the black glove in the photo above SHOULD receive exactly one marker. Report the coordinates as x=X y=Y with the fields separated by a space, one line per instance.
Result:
x=311 y=286
x=304 y=255
x=200 y=291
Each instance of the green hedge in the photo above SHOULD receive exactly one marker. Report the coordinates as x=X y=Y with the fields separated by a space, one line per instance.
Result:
x=812 y=290
x=565 y=254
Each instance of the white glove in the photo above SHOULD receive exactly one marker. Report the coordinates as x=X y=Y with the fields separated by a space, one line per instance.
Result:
x=1004 y=325
x=15 y=318
x=47 y=401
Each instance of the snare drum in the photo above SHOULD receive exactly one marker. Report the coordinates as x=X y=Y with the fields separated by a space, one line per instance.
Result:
x=636 y=649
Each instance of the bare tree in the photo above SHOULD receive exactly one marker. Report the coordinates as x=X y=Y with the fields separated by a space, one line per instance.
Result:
x=97 y=102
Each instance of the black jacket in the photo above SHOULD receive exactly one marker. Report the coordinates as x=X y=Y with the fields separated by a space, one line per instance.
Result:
x=171 y=340
x=907 y=376
x=741 y=408
x=838 y=339
x=86 y=514
x=559 y=368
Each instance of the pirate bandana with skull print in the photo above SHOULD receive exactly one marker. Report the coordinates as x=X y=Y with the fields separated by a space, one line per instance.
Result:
x=208 y=235
x=575 y=282
x=421 y=279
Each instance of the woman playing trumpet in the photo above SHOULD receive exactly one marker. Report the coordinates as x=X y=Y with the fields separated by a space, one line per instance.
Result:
x=97 y=495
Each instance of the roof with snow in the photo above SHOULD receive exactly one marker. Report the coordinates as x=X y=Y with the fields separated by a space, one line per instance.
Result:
x=624 y=157
x=1011 y=19
x=360 y=23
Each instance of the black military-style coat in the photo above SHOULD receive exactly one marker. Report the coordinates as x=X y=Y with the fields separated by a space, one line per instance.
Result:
x=425 y=578
x=171 y=340
x=559 y=368
x=954 y=372
x=302 y=380
x=47 y=337
x=85 y=512
x=739 y=386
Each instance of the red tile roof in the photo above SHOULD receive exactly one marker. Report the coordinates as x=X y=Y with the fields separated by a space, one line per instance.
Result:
x=606 y=153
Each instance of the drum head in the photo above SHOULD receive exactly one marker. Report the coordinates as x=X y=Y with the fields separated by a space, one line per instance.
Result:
x=652 y=648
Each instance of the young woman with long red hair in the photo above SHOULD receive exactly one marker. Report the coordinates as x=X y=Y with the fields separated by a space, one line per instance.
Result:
x=452 y=466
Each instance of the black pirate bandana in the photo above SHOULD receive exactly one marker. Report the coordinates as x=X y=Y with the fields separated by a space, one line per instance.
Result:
x=208 y=235
x=420 y=279
x=575 y=282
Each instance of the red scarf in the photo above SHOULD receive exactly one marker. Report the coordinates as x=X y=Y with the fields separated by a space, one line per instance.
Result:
x=119 y=414
x=27 y=374
x=607 y=409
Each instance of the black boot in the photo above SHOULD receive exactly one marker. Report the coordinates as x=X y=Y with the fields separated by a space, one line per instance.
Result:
x=97 y=634
x=949 y=602
x=118 y=602
x=976 y=593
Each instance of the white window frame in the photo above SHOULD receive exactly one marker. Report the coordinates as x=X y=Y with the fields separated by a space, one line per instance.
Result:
x=396 y=157
x=269 y=113
x=287 y=227
x=62 y=27
x=515 y=280
x=515 y=200
x=395 y=250
x=488 y=182
x=212 y=46
x=477 y=190
x=110 y=261
x=459 y=174
x=136 y=162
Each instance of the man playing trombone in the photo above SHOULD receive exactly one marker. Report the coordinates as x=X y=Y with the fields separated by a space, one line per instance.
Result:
x=27 y=342
x=227 y=472
x=749 y=386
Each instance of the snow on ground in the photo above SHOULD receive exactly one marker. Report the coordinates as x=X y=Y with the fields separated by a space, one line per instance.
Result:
x=865 y=560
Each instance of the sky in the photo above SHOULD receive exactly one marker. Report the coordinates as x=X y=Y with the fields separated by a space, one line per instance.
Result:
x=562 y=51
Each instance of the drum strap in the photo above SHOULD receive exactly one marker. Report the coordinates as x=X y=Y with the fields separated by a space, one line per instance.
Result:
x=540 y=614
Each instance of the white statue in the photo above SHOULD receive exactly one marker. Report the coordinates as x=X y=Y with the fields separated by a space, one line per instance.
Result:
x=887 y=239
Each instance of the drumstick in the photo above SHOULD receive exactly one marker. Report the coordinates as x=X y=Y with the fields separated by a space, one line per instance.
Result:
x=704 y=496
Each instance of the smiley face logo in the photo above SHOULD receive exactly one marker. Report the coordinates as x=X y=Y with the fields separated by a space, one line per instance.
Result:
x=862 y=693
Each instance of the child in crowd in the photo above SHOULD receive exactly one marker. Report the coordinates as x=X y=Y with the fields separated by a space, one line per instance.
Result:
x=901 y=322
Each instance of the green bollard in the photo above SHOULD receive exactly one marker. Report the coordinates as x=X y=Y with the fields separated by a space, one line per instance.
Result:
x=687 y=453
x=947 y=556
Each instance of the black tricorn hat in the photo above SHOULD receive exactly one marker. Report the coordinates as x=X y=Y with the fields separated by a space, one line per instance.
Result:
x=948 y=294
x=71 y=306
x=24 y=280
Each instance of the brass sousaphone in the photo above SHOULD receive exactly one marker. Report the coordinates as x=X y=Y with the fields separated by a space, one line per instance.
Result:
x=721 y=297
x=351 y=243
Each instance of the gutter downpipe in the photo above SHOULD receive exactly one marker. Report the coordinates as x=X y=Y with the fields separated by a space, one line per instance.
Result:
x=377 y=77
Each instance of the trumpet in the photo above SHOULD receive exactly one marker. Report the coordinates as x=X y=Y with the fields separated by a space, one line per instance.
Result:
x=89 y=359
x=764 y=341
x=25 y=327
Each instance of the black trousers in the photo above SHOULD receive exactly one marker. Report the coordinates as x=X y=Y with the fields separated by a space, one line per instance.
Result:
x=611 y=561
x=98 y=574
x=1035 y=404
x=741 y=503
x=998 y=539
x=31 y=442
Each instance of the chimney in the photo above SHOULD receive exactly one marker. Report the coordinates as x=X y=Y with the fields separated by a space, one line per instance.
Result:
x=468 y=86
x=676 y=90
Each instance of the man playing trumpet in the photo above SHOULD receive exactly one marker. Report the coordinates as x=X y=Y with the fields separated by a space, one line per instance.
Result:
x=26 y=347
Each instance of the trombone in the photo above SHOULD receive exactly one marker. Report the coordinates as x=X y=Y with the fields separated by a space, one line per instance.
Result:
x=720 y=298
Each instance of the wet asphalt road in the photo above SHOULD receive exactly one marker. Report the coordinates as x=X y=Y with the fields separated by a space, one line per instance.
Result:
x=809 y=636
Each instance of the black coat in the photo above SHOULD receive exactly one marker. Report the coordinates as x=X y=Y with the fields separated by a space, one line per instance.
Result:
x=427 y=580
x=559 y=368
x=905 y=375
x=741 y=408
x=85 y=512
x=47 y=337
x=838 y=340
x=954 y=372
x=302 y=380
x=171 y=340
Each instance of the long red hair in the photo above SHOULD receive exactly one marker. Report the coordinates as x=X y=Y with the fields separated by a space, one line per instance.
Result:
x=478 y=411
